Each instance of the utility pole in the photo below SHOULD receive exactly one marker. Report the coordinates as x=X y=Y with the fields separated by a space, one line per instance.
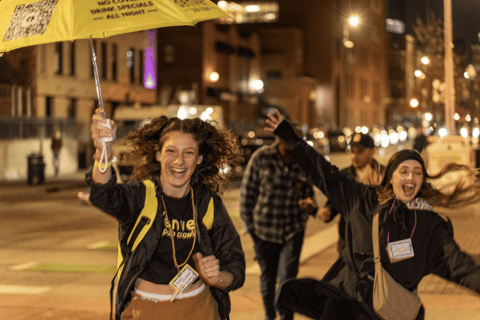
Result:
x=450 y=88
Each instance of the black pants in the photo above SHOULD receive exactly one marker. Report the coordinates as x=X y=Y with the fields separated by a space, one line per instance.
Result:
x=311 y=298
x=307 y=297
x=277 y=261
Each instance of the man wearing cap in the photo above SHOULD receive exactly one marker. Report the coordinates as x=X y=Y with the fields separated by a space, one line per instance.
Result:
x=361 y=155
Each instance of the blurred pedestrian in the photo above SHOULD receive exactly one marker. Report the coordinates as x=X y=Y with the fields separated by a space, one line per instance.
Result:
x=362 y=150
x=56 y=147
x=275 y=202
x=420 y=141
x=173 y=193
x=404 y=202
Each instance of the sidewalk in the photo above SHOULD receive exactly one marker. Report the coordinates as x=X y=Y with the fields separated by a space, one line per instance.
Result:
x=20 y=189
x=442 y=300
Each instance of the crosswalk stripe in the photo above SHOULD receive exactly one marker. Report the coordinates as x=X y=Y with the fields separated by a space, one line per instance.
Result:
x=7 y=289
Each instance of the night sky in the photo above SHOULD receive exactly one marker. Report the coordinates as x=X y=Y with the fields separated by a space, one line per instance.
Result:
x=465 y=15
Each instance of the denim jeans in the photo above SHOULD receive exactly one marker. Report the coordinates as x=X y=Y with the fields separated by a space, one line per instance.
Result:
x=277 y=261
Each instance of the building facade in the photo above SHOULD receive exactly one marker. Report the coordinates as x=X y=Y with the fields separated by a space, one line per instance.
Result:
x=55 y=85
x=214 y=63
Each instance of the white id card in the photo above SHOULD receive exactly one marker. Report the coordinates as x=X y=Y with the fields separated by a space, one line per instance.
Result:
x=400 y=250
x=183 y=280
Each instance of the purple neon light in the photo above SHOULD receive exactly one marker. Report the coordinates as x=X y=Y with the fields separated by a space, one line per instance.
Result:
x=149 y=63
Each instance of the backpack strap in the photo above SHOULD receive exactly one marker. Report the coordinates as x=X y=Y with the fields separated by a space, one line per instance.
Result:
x=208 y=218
x=144 y=220
x=140 y=229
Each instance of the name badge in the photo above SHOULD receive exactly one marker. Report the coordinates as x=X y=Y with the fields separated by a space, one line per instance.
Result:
x=400 y=250
x=183 y=280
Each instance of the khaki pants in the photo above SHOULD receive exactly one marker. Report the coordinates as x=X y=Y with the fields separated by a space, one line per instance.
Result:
x=202 y=306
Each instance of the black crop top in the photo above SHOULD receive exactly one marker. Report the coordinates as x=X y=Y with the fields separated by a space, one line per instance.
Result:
x=161 y=268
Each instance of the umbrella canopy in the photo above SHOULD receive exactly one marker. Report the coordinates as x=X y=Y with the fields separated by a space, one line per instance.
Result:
x=26 y=23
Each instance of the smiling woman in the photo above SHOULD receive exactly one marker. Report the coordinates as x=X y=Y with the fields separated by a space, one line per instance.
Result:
x=403 y=204
x=178 y=163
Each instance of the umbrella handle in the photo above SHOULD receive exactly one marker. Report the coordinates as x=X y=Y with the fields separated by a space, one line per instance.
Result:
x=97 y=79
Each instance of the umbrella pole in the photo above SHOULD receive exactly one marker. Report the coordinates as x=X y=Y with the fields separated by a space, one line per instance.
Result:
x=103 y=163
x=97 y=79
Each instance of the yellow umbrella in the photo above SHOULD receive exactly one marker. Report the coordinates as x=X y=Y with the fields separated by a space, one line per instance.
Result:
x=25 y=23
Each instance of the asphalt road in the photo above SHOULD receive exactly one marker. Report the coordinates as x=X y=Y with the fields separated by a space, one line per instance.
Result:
x=53 y=245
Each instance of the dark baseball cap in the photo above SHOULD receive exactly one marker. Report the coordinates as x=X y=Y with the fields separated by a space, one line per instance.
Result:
x=361 y=140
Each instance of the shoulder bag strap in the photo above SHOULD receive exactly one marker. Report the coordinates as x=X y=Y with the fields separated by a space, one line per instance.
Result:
x=376 y=246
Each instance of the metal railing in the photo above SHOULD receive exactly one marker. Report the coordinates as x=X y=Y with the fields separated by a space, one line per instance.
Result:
x=25 y=128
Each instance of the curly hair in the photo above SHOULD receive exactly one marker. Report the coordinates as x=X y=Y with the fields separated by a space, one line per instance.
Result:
x=465 y=192
x=218 y=147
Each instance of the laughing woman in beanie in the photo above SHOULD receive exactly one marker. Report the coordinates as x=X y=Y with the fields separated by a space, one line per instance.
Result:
x=404 y=202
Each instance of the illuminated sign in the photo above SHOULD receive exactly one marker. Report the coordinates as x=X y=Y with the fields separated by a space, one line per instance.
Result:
x=395 y=26
x=249 y=12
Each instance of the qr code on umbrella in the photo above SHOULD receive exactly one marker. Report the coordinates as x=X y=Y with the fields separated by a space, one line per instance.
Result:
x=30 y=19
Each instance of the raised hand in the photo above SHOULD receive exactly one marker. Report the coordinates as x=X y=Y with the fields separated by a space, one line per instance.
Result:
x=273 y=121
x=100 y=131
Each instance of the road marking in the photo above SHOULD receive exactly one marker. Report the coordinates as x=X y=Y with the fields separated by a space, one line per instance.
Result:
x=311 y=246
x=78 y=268
x=24 y=266
x=4 y=289
x=60 y=267
x=103 y=245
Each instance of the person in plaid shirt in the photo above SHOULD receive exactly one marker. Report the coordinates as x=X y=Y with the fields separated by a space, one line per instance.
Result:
x=275 y=202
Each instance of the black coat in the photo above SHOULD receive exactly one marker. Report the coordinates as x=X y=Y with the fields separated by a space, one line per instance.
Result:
x=334 y=212
x=126 y=201
x=352 y=274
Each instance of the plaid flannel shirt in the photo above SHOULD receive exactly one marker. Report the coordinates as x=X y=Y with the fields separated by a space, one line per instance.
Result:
x=270 y=194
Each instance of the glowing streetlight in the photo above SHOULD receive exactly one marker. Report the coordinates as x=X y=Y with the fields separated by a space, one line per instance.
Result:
x=354 y=21
x=475 y=133
x=256 y=85
x=418 y=73
x=442 y=132
x=214 y=76
x=428 y=116
x=414 y=103
x=425 y=60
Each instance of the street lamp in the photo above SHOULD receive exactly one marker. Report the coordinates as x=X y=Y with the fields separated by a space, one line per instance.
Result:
x=425 y=60
x=352 y=21
x=414 y=103
x=418 y=73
